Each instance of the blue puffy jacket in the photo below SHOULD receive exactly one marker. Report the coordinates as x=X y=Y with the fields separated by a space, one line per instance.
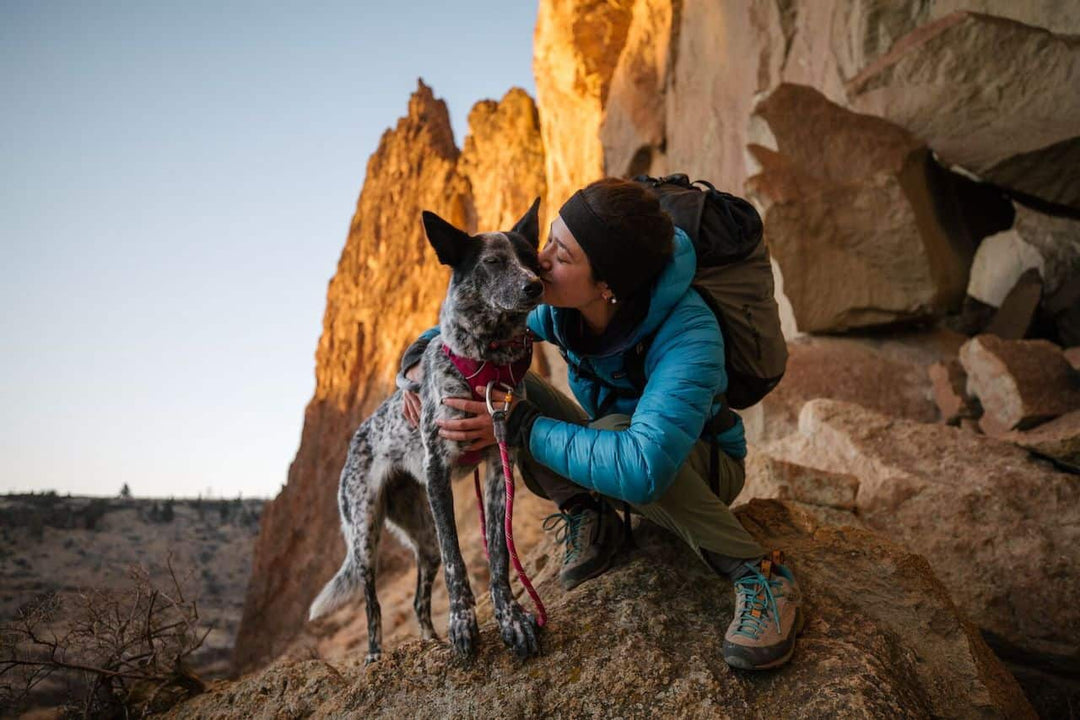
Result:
x=684 y=370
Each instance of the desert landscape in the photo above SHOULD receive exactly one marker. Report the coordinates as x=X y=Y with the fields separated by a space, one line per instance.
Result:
x=57 y=548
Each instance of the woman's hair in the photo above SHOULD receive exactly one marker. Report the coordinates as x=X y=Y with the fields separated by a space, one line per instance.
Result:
x=635 y=220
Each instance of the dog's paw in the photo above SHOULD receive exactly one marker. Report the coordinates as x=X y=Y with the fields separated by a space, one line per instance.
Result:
x=519 y=631
x=463 y=632
x=372 y=657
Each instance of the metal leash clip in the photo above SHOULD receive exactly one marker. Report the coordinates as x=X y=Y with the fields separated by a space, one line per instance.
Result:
x=498 y=417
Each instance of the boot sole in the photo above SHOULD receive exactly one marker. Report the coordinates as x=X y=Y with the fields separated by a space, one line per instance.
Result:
x=737 y=662
x=577 y=580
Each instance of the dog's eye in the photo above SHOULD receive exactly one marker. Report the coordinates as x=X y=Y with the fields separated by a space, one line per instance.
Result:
x=491 y=260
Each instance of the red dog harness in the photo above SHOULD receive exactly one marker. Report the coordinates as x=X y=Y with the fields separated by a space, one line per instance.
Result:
x=478 y=373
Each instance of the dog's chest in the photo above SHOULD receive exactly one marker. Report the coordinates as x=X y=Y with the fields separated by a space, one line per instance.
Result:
x=449 y=382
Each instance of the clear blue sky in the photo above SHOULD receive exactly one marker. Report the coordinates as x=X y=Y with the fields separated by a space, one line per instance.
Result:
x=176 y=184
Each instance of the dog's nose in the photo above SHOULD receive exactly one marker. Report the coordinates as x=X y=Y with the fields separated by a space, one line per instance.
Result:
x=533 y=289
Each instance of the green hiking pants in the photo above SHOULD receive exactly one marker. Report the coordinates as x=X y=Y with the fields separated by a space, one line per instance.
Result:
x=689 y=508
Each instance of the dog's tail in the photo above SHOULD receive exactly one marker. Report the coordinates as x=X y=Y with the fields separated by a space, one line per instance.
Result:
x=338 y=591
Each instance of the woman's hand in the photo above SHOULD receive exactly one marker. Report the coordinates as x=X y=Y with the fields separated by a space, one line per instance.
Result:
x=410 y=401
x=477 y=430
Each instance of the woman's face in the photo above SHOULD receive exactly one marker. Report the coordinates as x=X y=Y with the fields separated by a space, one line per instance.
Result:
x=566 y=272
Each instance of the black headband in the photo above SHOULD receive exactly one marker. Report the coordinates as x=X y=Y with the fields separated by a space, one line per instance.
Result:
x=616 y=260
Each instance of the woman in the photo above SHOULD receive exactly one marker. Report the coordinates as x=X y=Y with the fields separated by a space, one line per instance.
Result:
x=616 y=271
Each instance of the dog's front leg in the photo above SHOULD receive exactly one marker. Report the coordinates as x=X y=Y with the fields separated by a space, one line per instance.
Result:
x=517 y=627
x=462 y=630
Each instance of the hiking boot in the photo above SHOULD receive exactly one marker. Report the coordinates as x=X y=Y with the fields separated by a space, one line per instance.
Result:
x=590 y=533
x=767 y=618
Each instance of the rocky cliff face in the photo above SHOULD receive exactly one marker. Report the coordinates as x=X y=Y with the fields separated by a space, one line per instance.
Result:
x=576 y=48
x=685 y=77
x=882 y=639
x=386 y=290
x=503 y=160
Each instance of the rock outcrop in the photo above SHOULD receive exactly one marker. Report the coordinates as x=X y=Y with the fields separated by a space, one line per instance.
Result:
x=1020 y=383
x=1039 y=242
x=576 y=47
x=387 y=289
x=883 y=639
x=685 y=73
x=634 y=123
x=1058 y=439
x=999 y=262
x=848 y=369
x=503 y=160
x=1025 y=135
x=950 y=392
x=999 y=528
x=772 y=477
x=851 y=215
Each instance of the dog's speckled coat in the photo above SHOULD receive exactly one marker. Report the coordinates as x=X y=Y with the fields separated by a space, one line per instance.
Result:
x=395 y=472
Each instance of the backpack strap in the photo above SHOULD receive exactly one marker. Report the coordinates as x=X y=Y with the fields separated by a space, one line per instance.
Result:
x=721 y=422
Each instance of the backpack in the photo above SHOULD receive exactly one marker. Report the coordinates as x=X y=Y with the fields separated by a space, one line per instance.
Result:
x=734 y=278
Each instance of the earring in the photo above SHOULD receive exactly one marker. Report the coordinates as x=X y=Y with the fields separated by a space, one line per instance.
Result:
x=612 y=300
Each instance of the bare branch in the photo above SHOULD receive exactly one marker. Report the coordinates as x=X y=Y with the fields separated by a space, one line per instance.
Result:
x=125 y=650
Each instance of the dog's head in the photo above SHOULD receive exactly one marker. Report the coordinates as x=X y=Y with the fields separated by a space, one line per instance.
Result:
x=497 y=269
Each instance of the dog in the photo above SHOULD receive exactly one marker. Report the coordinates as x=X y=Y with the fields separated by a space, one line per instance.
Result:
x=402 y=475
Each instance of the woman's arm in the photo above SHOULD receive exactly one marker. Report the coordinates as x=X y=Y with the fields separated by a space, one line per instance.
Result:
x=408 y=377
x=685 y=370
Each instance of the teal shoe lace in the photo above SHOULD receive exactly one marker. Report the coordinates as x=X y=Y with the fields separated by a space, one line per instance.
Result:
x=567 y=527
x=756 y=593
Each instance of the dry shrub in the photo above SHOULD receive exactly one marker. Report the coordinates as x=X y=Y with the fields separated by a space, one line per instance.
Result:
x=108 y=653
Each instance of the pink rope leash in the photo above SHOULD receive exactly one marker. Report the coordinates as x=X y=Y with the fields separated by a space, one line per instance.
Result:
x=541 y=613
x=480 y=507
x=499 y=419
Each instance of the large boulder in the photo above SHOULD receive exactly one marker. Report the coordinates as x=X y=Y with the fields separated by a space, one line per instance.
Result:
x=852 y=215
x=687 y=74
x=773 y=477
x=668 y=84
x=1020 y=383
x=999 y=262
x=999 y=528
x=1036 y=242
x=883 y=639
x=871 y=374
x=994 y=96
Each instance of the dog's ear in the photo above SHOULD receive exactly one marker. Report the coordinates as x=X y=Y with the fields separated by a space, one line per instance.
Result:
x=529 y=224
x=451 y=245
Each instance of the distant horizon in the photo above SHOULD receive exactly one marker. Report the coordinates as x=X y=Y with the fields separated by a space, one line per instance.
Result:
x=47 y=492
x=179 y=185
